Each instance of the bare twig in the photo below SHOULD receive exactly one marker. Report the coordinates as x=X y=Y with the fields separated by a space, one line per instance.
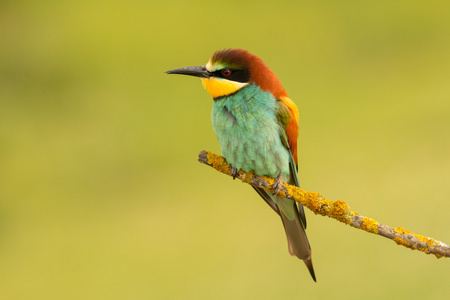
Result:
x=338 y=210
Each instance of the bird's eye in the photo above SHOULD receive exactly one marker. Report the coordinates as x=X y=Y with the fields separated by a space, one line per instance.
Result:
x=226 y=72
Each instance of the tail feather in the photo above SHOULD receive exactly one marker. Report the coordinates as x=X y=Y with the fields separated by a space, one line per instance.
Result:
x=298 y=243
x=309 y=265
x=296 y=236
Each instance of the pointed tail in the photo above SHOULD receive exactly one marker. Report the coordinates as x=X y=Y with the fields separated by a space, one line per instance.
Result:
x=297 y=240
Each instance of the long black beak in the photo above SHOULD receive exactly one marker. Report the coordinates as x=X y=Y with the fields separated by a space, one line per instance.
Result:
x=197 y=71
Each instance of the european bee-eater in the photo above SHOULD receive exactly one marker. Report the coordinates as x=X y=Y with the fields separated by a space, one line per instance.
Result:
x=257 y=126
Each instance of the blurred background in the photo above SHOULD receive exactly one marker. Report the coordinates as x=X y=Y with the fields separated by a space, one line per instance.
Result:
x=101 y=194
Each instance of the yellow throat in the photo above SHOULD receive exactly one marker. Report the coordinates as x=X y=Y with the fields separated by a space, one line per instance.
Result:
x=218 y=87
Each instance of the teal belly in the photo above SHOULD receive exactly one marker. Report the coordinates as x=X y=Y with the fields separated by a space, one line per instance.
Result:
x=249 y=133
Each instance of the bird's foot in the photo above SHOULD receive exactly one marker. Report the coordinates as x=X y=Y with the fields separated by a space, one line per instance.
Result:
x=277 y=184
x=234 y=172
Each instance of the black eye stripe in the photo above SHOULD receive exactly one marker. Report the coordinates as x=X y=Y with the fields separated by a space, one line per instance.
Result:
x=235 y=75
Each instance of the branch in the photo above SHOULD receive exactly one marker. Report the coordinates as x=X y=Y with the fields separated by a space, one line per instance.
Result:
x=338 y=210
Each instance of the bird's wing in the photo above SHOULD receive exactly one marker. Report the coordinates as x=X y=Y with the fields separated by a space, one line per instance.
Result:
x=287 y=116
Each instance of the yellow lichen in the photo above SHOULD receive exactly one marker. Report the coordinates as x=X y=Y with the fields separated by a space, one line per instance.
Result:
x=246 y=177
x=299 y=195
x=218 y=163
x=400 y=241
x=421 y=238
x=340 y=211
x=402 y=230
x=429 y=241
x=370 y=225
x=282 y=194
x=270 y=180
x=323 y=207
x=314 y=202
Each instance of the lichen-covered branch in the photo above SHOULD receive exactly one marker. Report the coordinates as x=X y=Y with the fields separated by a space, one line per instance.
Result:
x=338 y=210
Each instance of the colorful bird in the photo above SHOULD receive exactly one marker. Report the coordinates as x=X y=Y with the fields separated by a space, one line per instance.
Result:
x=257 y=126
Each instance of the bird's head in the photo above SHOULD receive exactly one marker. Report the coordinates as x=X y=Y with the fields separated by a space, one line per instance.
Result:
x=229 y=70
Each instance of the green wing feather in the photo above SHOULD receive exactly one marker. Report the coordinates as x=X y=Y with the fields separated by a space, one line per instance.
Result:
x=284 y=117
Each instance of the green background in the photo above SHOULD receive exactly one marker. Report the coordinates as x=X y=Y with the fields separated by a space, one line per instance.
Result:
x=101 y=194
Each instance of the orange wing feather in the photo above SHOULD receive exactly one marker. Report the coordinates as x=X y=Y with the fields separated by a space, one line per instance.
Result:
x=292 y=126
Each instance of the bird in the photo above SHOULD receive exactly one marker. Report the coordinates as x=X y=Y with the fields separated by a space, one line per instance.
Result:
x=256 y=124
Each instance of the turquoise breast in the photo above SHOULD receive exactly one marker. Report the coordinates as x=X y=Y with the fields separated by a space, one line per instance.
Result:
x=249 y=133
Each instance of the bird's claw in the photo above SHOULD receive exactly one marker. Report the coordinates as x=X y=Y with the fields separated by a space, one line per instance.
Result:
x=277 y=184
x=234 y=172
